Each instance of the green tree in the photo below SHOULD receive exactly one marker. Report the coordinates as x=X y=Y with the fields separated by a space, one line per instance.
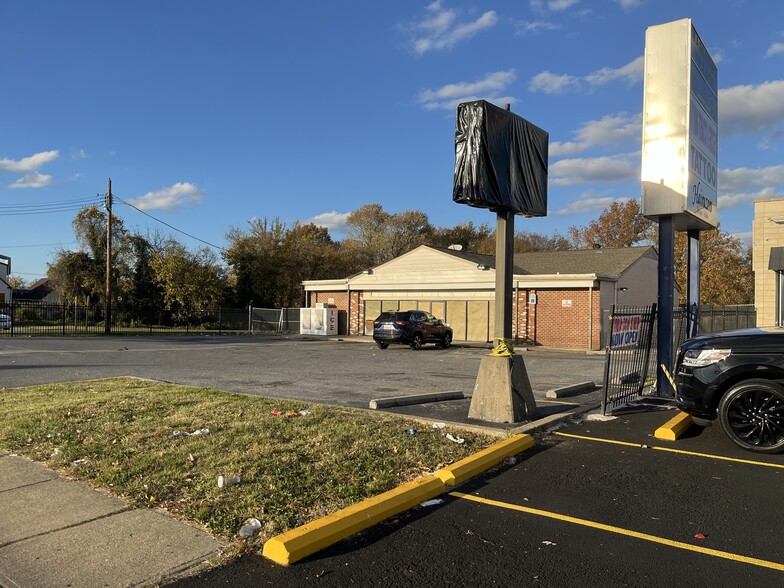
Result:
x=383 y=236
x=474 y=238
x=188 y=279
x=88 y=284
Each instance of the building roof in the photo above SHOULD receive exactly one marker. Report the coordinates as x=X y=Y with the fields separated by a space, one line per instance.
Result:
x=606 y=262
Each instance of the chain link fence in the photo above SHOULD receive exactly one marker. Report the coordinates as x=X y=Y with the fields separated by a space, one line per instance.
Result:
x=32 y=318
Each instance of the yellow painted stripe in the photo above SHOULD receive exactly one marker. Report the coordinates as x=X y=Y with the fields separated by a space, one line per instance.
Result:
x=675 y=427
x=671 y=450
x=629 y=533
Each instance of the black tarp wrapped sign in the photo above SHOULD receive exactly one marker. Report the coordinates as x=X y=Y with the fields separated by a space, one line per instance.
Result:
x=500 y=160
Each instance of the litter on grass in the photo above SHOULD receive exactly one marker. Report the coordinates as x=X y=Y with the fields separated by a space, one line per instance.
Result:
x=410 y=431
x=455 y=438
x=197 y=432
x=250 y=528
x=224 y=481
x=439 y=425
x=278 y=412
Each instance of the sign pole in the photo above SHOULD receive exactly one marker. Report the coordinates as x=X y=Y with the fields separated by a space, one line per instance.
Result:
x=665 y=305
x=504 y=268
x=693 y=284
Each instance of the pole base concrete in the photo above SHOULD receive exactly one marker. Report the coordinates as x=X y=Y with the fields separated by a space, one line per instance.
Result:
x=503 y=391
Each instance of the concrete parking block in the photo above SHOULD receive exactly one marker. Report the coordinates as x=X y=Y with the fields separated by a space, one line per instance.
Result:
x=133 y=548
x=48 y=506
x=16 y=472
x=675 y=427
x=462 y=470
x=303 y=541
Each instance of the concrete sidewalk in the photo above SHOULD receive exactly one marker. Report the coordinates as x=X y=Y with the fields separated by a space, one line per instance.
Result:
x=58 y=532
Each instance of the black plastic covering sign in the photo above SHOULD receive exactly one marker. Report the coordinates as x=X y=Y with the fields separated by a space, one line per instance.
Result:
x=500 y=160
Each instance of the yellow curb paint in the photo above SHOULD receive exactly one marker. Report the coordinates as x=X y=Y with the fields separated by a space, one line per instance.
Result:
x=466 y=468
x=675 y=427
x=629 y=533
x=303 y=541
x=671 y=450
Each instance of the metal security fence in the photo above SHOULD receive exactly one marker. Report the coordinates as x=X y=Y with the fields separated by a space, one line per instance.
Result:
x=628 y=354
x=29 y=318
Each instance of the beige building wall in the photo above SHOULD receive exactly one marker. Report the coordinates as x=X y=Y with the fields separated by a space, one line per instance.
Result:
x=767 y=232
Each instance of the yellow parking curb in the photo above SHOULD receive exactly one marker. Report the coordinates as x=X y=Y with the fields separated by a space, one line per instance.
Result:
x=675 y=427
x=298 y=543
x=464 y=469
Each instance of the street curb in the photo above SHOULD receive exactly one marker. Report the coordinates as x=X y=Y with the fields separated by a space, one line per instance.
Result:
x=296 y=544
x=415 y=399
x=460 y=471
x=675 y=427
x=572 y=390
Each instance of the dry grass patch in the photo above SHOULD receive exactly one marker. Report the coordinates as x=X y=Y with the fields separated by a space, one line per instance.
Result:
x=119 y=434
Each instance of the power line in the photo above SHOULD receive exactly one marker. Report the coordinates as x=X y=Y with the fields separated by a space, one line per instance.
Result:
x=37 y=245
x=167 y=224
x=48 y=207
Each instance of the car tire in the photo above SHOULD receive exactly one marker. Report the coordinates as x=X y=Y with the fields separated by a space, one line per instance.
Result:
x=751 y=414
x=382 y=345
x=416 y=341
x=446 y=341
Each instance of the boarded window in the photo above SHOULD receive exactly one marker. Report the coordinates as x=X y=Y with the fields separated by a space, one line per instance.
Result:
x=478 y=320
x=456 y=317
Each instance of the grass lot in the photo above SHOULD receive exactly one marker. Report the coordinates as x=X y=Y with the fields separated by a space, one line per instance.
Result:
x=118 y=434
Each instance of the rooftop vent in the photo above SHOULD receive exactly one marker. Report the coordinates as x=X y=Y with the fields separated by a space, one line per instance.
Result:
x=456 y=247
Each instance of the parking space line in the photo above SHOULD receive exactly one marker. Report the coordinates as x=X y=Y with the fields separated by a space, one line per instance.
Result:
x=619 y=530
x=671 y=450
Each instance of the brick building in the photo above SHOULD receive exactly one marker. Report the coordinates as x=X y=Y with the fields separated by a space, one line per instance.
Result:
x=559 y=297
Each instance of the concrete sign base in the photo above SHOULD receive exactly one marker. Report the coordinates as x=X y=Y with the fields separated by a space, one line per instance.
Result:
x=502 y=393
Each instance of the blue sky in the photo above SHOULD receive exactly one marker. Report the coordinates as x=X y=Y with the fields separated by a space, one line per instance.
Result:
x=206 y=114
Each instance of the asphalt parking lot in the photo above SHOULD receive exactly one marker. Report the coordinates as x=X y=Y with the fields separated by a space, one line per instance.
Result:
x=340 y=372
x=596 y=502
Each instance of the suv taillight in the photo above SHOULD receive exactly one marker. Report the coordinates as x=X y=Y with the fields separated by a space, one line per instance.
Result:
x=401 y=322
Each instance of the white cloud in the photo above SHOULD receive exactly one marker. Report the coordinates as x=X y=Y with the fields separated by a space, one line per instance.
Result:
x=488 y=88
x=744 y=237
x=629 y=4
x=632 y=72
x=609 y=130
x=78 y=154
x=733 y=200
x=171 y=198
x=525 y=27
x=745 y=178
x=745 y=109
x=775 y=49
x=28 y=164
x=568 y=172
x=552 y=83
x=333 y=220
x=588 y=203
x=32 y=180
x=552 y=5
x=440 y=29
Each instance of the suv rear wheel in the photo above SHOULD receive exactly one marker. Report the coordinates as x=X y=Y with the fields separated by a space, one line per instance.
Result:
x=446 y=341
x=382 y=345
x=416 y=341
x=752 y=415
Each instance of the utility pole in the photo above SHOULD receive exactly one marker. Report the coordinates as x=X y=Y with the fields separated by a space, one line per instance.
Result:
x=108 y=320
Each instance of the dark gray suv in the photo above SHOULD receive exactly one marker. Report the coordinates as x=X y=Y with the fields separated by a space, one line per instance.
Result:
x=410 y=327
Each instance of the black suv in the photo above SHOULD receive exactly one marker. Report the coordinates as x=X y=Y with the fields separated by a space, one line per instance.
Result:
x=410 y=327
x=737 y=377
